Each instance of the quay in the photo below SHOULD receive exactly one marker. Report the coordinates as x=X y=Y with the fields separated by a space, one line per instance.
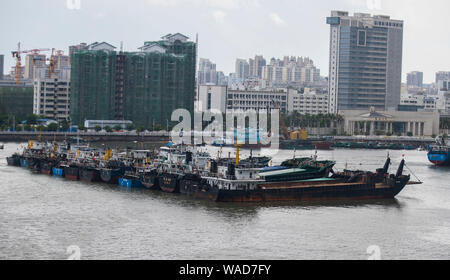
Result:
x=24 y=136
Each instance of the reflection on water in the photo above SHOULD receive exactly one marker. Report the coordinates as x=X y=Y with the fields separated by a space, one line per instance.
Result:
x=42 y=216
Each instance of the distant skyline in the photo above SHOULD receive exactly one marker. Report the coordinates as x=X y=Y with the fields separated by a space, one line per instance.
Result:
x=228 y=29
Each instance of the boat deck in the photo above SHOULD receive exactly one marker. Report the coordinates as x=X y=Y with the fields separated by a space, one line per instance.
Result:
x=308 y=184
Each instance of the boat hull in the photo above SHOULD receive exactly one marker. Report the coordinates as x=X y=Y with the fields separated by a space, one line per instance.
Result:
x=24 y=162
x=47 y=168
x=34 y=165
x=111 y=176
x=193 y=186
x=150 y=181
x=58 y=172
x=334 y=190
x=72 y=173
x=441 y=159
x=169 y=182
x=89 y=175
x=130 y=183
x=13 y=161
x=323 y=146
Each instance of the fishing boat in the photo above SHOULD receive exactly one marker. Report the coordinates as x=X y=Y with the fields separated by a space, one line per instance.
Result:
x=24 y=162
x=89 y=174
x=297 y=144
x=71 y=172
x=13 y=160
x=47 y=166
x=58 y=171
x=149 y=178
x=439 y=154
x=130 y=181
x=244 y=185
x=112 y=169
x=169 y=180
x=323 y=145
x=34 y=164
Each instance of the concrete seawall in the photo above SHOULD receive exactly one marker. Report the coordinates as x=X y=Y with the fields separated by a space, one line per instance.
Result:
x=88 y=136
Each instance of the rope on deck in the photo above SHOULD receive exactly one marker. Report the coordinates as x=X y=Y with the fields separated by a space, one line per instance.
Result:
x=413 y=173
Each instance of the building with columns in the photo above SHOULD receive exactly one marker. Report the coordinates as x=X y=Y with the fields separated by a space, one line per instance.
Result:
x=360 y=122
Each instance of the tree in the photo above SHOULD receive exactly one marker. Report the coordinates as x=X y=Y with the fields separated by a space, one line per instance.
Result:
x=130 y=127
x=108 y=129
x=82 y=127
x=158 y=127
x=64 y=125
x=52 y=127
x=32 y=119
x=140 y=129
x=117 y=127
x=98 y=128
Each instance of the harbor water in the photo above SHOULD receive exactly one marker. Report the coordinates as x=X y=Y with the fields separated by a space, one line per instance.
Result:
x=43 y=217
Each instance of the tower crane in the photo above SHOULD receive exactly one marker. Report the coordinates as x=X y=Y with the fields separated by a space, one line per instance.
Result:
x=17 y=54
x=53 y=60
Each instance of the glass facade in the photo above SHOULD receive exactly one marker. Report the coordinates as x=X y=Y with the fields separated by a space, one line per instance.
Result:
x=362 y=68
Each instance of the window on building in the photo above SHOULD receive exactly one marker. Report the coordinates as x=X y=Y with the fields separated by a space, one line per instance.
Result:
x=362 y=38
x=209 y=101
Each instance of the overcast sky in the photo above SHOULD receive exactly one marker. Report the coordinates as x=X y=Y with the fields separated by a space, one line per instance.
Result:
x=227 y=29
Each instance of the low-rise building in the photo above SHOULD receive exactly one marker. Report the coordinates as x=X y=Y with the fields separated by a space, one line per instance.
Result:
x=266 y=99
x=361 y=122
x=222 y=98
x=307 y=103
x=92 y=124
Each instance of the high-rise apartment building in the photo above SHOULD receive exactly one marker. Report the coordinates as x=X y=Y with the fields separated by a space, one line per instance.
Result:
x=290 y=71
x=414 y=79
x=32 y=62
x=207 y=73
x=365 y=62
x=144 y=87
x=75 y=48
x=442 y=76
x=256 y=65
x=242 y=69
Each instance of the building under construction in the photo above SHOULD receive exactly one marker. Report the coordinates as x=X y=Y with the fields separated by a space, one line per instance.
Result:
x=144 y=86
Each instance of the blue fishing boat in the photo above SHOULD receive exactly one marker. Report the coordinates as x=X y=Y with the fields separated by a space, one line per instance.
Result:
x=130 y=182
x=58 y=172
x=440 y=154
x=24 y=162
